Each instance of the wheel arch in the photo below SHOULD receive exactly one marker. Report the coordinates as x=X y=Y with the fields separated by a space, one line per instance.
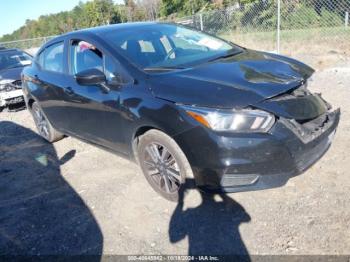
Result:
x=30 y=103
x=137 y=134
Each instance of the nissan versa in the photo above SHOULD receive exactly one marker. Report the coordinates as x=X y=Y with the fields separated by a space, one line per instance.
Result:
x=181 y=103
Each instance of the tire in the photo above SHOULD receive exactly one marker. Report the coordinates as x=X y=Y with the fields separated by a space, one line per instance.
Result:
x=163 y=163
x=43 y=125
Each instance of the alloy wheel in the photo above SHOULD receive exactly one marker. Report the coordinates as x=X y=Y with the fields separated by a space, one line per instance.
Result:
x=162 y=167
x=41 y=123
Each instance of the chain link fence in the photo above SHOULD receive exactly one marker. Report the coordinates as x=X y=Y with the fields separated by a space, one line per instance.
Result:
x=313 y=30
x=29 y=45
x=300 y=28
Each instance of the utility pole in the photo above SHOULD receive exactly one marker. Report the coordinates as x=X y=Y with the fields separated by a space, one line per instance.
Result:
x=278 y=25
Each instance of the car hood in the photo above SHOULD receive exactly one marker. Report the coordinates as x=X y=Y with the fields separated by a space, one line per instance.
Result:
x=235 y=82
x=12 y=73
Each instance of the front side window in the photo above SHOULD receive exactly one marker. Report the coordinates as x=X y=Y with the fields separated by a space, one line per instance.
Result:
x=51 y=59
x=167 y=45
x=84 y=56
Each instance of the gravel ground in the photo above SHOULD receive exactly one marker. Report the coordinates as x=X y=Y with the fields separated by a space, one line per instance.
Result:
x=73 y=198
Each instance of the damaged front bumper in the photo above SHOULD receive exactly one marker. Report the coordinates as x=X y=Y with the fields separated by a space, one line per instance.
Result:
x=246 y=162
x=11 y=97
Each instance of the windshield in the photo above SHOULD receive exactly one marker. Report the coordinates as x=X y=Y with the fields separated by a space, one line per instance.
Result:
x=167 y=46
x=11 y=59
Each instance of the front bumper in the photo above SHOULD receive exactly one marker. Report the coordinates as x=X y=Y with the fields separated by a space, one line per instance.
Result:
x=244 y=162
x=11 y=97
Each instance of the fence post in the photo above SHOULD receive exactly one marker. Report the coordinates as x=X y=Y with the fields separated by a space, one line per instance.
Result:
x=278 y=25
x=201 y=20
x=346 y=19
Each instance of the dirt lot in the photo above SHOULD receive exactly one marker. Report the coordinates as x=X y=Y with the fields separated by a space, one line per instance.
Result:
x=73 y=198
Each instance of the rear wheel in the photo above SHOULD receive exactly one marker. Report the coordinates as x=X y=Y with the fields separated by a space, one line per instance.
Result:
x=43 y=126
x=163 y=163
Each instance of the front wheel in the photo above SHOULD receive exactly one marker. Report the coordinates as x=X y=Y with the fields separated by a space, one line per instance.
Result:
x=43 y=125
x=163 y=163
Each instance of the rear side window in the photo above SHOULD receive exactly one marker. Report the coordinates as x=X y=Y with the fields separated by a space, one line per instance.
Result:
x=51 y=59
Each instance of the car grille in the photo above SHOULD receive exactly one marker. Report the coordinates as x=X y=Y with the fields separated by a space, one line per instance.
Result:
x=310 y=130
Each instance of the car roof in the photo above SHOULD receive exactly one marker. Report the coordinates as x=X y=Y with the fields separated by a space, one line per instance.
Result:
x=103 y=29
x=99 y=30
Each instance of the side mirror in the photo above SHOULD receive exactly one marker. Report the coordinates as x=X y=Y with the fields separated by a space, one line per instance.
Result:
x=91 y=77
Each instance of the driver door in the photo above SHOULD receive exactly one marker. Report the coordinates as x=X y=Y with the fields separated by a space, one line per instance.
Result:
x=94 y=112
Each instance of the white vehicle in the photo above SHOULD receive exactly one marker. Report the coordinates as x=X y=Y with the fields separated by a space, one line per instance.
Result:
x=12 y=62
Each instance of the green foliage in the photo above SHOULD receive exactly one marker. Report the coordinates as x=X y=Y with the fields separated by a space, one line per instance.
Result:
x=226 y=15
x=93 y=13
x=260 y=15
x=169 y=7
x=329 y=18
x=306 y=16
x=181 y=7
x=240 y=2
x=300 y=17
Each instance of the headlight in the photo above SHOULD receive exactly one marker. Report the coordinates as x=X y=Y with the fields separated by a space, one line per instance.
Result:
x=245 y=120
x=4 y=84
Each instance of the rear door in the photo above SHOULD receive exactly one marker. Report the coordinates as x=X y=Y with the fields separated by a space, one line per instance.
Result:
x=52 y=80
x=94 y=112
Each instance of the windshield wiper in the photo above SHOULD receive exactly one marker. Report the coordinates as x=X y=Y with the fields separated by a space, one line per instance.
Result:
x=225 y=56
x=163 y=68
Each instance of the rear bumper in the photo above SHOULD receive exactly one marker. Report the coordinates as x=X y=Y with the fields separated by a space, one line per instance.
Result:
x=245 y=162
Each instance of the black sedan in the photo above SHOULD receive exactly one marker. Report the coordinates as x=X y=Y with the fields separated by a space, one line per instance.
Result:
x=181 y=103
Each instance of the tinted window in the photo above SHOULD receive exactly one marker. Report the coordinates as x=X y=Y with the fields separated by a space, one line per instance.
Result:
x=14 y=58
x=51 y=59
x=164 y=45
x=83 y=56
x=112 y=71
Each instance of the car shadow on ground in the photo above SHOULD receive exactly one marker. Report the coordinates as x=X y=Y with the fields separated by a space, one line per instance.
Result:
x=40 y=213
x=211 y=227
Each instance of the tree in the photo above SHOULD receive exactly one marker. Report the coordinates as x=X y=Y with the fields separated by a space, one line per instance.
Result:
x=92 y=13
x=152 y=8
x=169 y=7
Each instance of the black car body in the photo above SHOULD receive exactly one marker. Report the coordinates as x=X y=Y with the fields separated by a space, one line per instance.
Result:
x=265 y=89
x=12 y=62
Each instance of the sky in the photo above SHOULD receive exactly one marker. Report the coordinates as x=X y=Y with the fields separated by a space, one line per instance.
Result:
x=14 y=13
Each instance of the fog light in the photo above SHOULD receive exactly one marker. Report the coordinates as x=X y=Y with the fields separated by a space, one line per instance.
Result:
x=232 y=180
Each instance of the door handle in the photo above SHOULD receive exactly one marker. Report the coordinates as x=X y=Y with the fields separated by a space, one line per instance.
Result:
x=69 y=91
